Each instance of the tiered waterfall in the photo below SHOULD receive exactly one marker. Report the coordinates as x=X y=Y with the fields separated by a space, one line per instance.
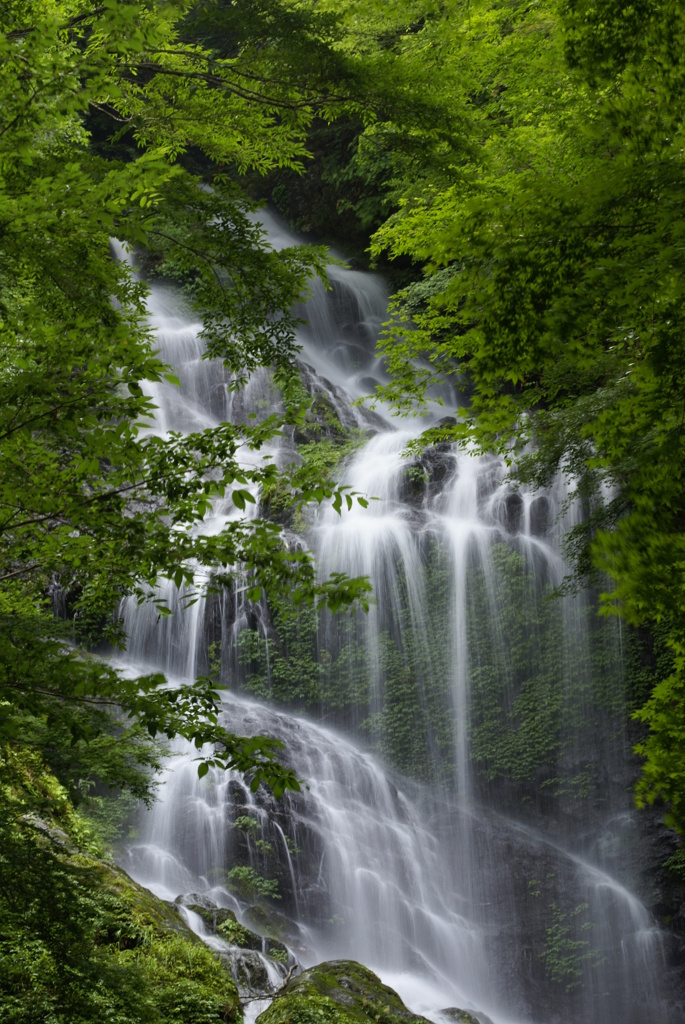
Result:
x=466 y=827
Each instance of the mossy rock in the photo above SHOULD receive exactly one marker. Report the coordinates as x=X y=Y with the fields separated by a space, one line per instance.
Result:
x=322 y=421
x=191 y=985
x=137 y=909
x=224 y=923
x=463 y=1016
x=270 y=922
x=338 y=992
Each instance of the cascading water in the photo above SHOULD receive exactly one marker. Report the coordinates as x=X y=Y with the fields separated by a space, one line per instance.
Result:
x=496 y=880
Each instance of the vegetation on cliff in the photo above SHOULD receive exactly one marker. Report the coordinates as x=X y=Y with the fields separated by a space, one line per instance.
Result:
x=80 y=941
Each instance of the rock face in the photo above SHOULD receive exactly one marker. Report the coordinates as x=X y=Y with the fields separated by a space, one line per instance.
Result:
x=257 y=963
x=339 y=992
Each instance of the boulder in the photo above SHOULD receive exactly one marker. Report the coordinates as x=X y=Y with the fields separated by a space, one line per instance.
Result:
x=453 y=1013
x=339 y=992
x=251 y=973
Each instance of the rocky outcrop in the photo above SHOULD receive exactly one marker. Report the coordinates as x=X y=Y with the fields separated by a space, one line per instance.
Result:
x=257 y=963
x=222 y=922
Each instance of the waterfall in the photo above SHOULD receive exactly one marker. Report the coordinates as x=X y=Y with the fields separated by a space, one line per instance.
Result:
x=466 y=828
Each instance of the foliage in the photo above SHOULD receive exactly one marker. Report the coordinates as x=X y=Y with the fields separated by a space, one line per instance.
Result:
x=79 y=941
x=189 y=983
x=249 y=884
x=544 y=674
x=105 y=111
x=235 y=933
x=676 y=864
x=310 y=479
x=564 y=955
x=351 y=184
x=368 y=673
x=279 y=955
x=103 y=107
x=338 y=196
x=246 y=824
x=111 y=816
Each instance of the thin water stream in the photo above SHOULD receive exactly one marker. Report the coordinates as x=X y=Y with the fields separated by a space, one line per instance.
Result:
x=457 y=890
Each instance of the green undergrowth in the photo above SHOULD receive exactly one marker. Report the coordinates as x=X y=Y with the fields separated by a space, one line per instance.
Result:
x=80 y=942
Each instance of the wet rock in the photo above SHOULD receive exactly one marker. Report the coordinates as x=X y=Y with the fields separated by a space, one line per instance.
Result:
x=55 y=835
x=425 y=477
x=230 y=929
x=238 y=935
x=540 y=516
x=463 y=1016
x=438 y=463
x=196 y=901
x=250 y=972
x=223 y=922
x=329 y=415
x=513 y=512
x=340 y=992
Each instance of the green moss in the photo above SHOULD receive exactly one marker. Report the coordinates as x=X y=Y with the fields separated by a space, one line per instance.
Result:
x=80 y=942
x=134 y=910
x=338 y=992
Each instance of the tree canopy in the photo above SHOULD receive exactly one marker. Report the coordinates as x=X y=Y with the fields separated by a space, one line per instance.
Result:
x=550 y=239
x=106 y=110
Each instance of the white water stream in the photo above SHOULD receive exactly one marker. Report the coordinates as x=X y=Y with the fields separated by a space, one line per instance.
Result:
x=451 y=902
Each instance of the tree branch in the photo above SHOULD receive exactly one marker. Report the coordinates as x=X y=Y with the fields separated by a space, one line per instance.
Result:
x=18 y=572
x=20 y=33
x=220 y=83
